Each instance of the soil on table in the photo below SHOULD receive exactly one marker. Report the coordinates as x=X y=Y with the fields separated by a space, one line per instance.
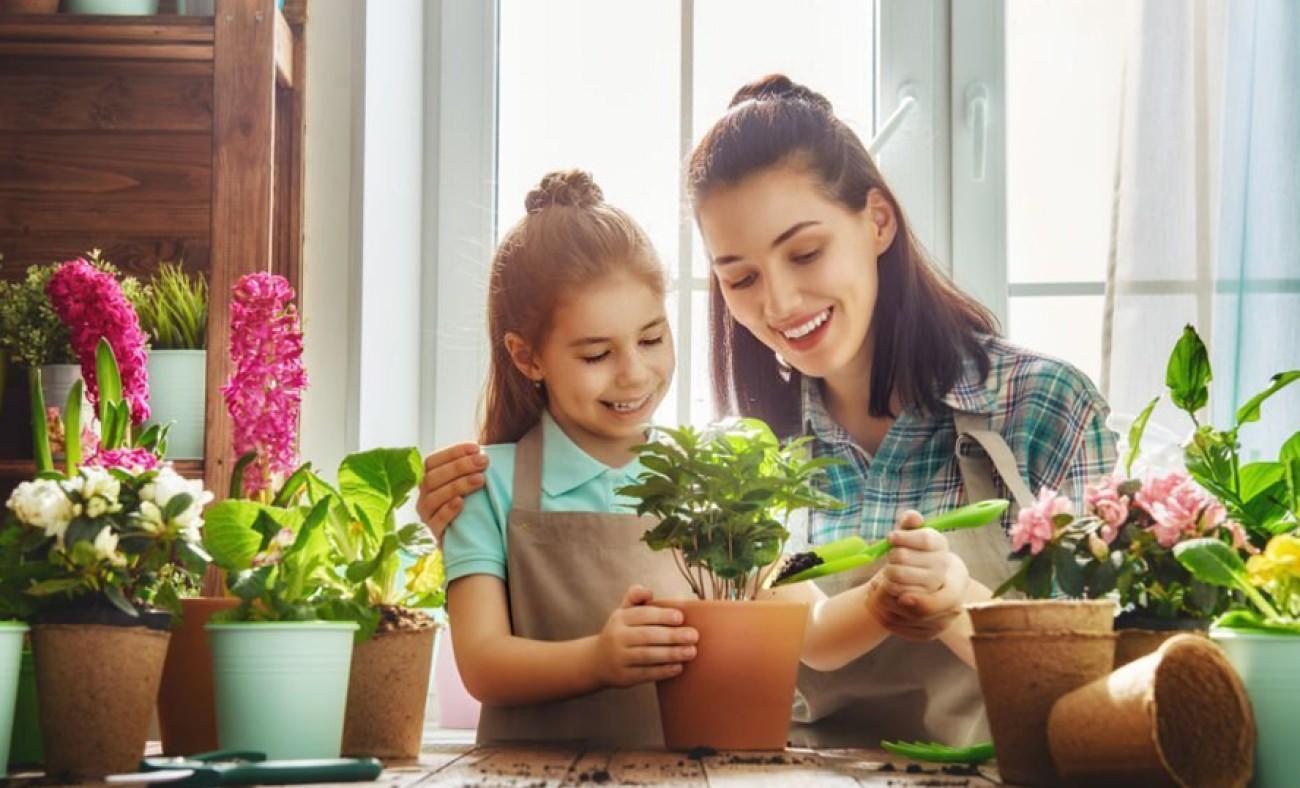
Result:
x=402 y=619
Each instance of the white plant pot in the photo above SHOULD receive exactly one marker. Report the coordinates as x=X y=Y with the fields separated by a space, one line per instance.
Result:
x=177 y=393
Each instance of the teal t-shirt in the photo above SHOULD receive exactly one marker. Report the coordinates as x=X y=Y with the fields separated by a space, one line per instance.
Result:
x=572 y=481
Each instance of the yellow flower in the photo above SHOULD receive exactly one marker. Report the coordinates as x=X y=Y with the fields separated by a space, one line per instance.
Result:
x=1280 y=560
x=427 y=575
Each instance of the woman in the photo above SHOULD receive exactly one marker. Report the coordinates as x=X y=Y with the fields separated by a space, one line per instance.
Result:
x=827 y=319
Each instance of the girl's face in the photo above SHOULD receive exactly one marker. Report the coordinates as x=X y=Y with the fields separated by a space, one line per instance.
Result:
x=607 y=361
x=797 y=268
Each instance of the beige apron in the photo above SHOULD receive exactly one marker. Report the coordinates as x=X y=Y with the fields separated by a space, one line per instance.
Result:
x=565 y=573
x=912 y=690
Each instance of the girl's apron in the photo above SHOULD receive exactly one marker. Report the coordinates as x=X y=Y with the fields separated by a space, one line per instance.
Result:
x=565 y=573
x=916 y=690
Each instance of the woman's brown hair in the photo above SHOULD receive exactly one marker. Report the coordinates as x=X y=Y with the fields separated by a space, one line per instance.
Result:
x=922 y=325
x=569 y=238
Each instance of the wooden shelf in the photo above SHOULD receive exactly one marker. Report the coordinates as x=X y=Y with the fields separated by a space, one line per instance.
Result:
x=18 y=470
x=108 y=37
x=163 y=37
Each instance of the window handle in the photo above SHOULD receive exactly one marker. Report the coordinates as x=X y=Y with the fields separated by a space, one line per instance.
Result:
x=977 y=120
x=906 y=103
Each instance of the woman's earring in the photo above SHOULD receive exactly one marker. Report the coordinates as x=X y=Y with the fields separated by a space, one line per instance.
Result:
x=783 y=367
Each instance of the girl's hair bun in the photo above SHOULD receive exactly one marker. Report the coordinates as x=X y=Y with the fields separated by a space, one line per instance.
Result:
x=779 y=87
x=573 y=188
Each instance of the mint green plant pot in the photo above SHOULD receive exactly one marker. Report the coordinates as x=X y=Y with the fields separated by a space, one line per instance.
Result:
x=1269 y=666
x=124 y=7
x=177 y=388
x=281 y=688
x=11 y=650
x=26 y=746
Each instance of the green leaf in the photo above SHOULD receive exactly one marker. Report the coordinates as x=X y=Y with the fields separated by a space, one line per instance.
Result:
x=360 y=571
x=415 y=540
x=1135 y=435
x=1250 y=411
x=54 y=586
x=1211 y=561
x=1188 y=373
x=119 y=601
x=177 y=505
x=40 y=430
x=934 y=752
x=72 y=427
x=107 y=378
x=237 y=474
x=1289 y=459
x=296 y=481
x=1069 y=572
x=378 y=481
x=1038 y=579
x=229 y=535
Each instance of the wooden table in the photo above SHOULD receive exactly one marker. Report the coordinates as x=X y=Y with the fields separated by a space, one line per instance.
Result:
x=450 y=758
x=449 y=761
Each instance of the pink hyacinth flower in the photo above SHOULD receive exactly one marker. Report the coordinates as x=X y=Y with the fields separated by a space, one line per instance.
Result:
x=1034 y=526
x=129 y=460
x=264 y=391
x=91 y=304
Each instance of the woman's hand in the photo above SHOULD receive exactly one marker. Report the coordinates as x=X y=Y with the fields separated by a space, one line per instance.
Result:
x=449 y=475
x=642 y=642
x=920 y=591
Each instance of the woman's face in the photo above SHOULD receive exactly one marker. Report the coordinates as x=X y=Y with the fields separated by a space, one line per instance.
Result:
x=607 y=360
x=798 y=269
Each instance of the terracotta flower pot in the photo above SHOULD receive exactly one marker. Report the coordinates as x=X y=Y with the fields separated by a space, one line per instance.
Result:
x=387 y=691
x=1135 y=637
x=737 y=692
x=1029 y=653
x=187 y=716
x=1178 y=716
x=29 y=6
x=98 y=685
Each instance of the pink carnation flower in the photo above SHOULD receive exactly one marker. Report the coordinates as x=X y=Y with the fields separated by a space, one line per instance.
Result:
x=264 y=391
x=91 y=304
x=1034 y=526
x=1178 y=507
x=1104 y=501
x=130 y=460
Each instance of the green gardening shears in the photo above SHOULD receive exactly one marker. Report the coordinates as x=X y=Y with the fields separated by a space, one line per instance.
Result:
x=240 y=767
x=845 y=554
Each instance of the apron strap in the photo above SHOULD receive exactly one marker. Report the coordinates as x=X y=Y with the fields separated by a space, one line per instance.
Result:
x=528 y=471
x=977 y=472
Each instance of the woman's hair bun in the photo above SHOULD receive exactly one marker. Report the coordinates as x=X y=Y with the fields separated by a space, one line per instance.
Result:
x=779 y=87
x=574 y=188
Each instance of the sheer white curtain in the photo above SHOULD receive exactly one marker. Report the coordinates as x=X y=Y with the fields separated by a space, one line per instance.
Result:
x=1206 y=208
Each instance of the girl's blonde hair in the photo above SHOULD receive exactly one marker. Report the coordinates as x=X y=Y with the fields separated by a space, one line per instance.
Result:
x=569 y=238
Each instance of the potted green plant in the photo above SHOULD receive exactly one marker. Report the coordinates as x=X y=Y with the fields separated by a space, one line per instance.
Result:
x=173 y=309
x=722 y=497
x=96 y=553
x=393 y=654
x=35 y=338
x=13 y=630
x=281 y=657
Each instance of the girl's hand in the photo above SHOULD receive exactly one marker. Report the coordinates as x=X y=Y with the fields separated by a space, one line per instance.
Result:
x=922 y=587
x=642 y=642
x=449 y=475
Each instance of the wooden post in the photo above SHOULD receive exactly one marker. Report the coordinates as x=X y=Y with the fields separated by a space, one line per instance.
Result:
x=243 y=188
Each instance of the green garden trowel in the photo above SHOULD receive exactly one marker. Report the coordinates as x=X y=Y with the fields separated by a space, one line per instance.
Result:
x=844 y=554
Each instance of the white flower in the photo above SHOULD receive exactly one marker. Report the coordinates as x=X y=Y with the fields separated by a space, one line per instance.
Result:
x=102 y=484
x=42 y=504
x=96 y=506
x=167 y=485
x=151 y=518
x=106 y=547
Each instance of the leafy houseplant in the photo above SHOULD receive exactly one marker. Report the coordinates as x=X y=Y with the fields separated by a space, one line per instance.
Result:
x=96 y=556
x=173 y=311
x=280 y=657
x=394 y=650
x=721 y=496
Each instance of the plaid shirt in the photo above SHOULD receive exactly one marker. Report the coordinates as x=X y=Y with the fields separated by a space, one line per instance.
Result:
x=1050 y=414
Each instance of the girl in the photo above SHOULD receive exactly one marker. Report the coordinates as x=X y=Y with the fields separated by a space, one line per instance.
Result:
x=540 y=556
